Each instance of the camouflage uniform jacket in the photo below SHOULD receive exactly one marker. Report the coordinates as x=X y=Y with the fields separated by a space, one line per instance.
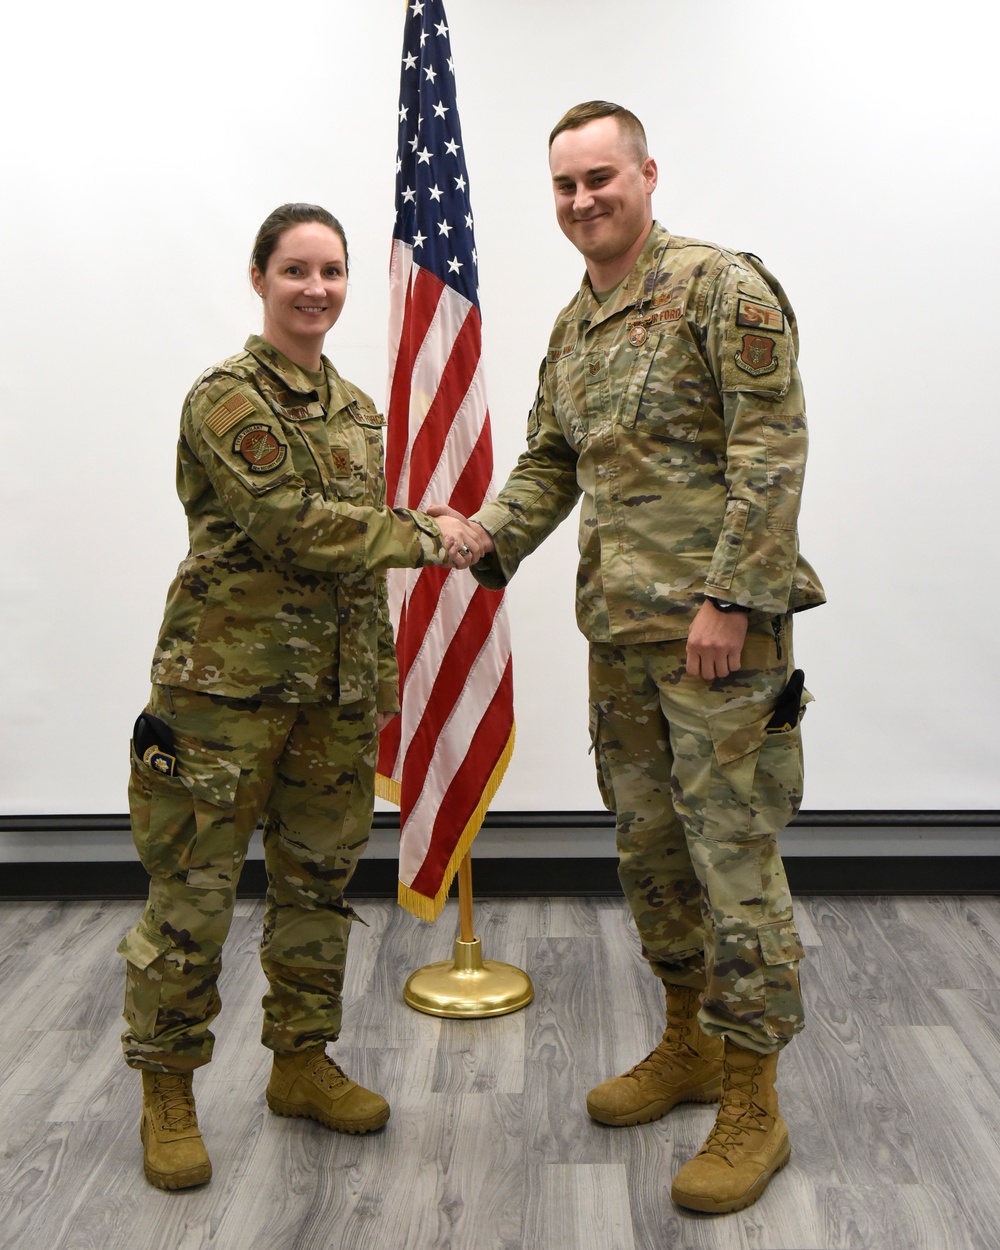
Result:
x=676 y=409
x=282 y=596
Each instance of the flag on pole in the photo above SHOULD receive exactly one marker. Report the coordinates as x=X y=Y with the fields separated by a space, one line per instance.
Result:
x=443 y=758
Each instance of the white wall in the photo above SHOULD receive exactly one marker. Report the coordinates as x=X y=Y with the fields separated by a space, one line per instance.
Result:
x=853 y=147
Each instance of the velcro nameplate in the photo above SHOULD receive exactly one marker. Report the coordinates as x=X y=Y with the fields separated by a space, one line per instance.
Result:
x=362 y=416
x=227 y=412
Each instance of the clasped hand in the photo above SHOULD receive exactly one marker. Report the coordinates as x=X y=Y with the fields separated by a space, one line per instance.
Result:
x=464 y=541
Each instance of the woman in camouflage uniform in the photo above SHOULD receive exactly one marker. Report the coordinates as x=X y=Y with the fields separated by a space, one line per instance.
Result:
x=273 y=673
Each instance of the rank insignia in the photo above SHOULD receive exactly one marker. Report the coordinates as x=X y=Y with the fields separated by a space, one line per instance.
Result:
x=757 y=356
x=341 y=461
x=259 y=448
x=227 y=412
x=160 y=761
x=759 y=316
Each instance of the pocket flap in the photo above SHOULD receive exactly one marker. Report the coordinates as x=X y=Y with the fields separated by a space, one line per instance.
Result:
x=141 y=948
x=780 y=943
x=204 y=776
x=733 y=740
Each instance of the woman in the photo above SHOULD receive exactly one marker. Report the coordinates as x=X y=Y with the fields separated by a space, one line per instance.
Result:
x=273 y=673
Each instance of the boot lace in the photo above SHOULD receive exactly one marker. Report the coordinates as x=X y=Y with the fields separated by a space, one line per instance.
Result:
x=175 y=1104
x=326 y=1073
x=675 y=1048
x=738 y=1116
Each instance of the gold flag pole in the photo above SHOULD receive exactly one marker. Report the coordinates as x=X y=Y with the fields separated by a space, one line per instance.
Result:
x=467 y=987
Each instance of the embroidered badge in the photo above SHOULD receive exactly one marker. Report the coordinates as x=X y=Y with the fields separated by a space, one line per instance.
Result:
x=227 y=412
x=341 y=461
x=259 y=448
x=162 y=761
x=757 y=356
x=759 y=316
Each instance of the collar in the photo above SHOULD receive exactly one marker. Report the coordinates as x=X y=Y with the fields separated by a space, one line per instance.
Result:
x=279 y=364
x=636 y=288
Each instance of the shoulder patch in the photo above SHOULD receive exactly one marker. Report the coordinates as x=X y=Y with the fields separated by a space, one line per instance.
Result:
x=759 y=316
x=259 y=448
x=227 y=412
x=757 y=356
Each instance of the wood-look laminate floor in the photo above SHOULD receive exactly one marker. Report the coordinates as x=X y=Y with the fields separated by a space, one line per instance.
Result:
x=892 y=1094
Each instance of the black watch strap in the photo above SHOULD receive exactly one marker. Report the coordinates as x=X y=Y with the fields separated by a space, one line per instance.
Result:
x=726 y=605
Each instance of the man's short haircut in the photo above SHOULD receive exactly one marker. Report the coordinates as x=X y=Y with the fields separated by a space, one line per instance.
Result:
x=629 y=124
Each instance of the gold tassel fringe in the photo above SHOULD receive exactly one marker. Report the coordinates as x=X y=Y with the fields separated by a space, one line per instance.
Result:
x=420 y=905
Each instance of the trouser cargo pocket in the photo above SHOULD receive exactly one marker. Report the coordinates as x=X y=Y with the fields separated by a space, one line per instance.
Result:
x=182 y=825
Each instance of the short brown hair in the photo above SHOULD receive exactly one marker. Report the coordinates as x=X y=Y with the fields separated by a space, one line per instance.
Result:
x=629 y=124
x=282 y=219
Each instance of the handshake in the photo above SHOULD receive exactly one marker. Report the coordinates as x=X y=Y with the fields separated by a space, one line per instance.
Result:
x=465 y=541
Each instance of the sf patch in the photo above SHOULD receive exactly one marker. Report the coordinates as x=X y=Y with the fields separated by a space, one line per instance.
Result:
x=759 y=316
x=259 y=448
x=757 y=356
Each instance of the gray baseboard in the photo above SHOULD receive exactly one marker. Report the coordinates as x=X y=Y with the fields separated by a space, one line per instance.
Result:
x=504 y=870
x=500 y=878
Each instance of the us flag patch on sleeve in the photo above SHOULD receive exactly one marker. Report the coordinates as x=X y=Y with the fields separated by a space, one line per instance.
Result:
x=227 y=412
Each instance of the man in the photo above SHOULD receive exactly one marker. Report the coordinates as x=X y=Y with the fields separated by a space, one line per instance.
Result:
x=670 y=399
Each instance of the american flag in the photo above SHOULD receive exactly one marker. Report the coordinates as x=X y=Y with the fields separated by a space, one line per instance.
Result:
x=443 y=758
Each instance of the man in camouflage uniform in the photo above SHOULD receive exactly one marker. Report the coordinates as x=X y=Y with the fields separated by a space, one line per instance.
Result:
x=670 y=400
x=274 y=665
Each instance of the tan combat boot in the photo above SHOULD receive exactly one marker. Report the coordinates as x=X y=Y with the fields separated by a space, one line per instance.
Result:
x=748 y=1144
x=174 y=1156
x=308 y=1083
x=685 y=1067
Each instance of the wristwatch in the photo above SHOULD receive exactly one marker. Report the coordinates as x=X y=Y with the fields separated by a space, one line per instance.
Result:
x=726 y=605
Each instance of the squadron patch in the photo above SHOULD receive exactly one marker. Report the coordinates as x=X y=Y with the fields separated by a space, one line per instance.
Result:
x=259 y=448
x=759 y=316
x=757 y=356
x=227 y=412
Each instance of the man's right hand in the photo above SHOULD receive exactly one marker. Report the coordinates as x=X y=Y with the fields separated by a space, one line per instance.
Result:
x=465 y=541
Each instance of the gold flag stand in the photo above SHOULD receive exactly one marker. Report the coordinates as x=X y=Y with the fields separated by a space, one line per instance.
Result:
x=468 y=986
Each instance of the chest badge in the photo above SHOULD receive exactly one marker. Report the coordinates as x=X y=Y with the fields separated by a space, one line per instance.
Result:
x=637 y=334
x=259 y=448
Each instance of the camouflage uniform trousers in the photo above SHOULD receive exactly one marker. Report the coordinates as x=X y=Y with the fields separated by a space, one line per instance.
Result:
x=309 y=770
x=700 y=792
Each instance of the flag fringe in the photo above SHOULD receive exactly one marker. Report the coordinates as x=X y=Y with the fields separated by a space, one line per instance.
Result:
x=421 y=905
x=389 y=789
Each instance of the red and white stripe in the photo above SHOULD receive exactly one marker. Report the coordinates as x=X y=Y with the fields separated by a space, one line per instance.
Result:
x=443 y=758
